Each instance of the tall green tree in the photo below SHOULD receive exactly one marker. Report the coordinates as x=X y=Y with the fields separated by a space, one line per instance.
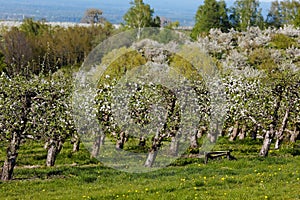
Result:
x=139 y=16
x=246 y=13
x=274 y=17
x=212 y=14
x=283 y=12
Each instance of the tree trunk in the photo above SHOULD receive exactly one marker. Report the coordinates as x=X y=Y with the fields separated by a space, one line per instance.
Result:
x=46 y=145
x=201 y=131
x=76 y=146
x=267 y=141
x=76 y=142
x=235 y=131
x=154 y=149
x=54 y=148
x=11 y=158
x=223 y=132
x=142 y=141
x=279 y=135
x=295 y=134
x=254 y=132
x=102 y=139
x=194 y=141
x=121 y=140
x=271 y=132
x=159 y=136
x=242 y=134
x=151 y=158
x=174 y=146
x=51 y=155
x=212 y=136
x=99 y=140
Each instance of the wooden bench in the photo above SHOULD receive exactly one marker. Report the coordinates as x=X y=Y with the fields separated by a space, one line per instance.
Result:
x=217 y=154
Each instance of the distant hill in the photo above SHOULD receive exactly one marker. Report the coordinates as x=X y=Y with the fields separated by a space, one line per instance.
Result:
x=72 y=11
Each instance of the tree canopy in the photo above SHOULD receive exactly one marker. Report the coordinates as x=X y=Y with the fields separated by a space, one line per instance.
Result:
x=283 y=12
x=212 y=14
x=246 y=13
x=140 y=15
x=92 y=16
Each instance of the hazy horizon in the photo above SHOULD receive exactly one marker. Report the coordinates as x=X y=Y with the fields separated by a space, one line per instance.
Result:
x=113 y=10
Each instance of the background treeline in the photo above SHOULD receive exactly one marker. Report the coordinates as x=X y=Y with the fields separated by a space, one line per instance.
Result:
x=35 y=46
x=243 y=14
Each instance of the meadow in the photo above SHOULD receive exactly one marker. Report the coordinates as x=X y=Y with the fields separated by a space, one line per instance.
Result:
x=77 y=176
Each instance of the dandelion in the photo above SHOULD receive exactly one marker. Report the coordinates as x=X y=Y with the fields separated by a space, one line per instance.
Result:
x=204 y=177
x=222 y=178
x=266 y=197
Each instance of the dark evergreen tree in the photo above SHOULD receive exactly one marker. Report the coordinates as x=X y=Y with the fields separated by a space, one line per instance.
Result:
x=212 y=14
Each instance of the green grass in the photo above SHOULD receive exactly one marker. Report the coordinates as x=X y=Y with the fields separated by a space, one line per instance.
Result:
x=248 y=177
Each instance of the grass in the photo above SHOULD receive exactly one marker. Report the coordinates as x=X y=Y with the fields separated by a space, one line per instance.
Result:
x=248 y=177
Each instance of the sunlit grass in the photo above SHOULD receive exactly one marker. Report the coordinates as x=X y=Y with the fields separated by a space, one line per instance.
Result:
x=248 y=177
